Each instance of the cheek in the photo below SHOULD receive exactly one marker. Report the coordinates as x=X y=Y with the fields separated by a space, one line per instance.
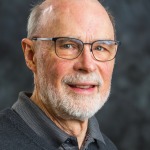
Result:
x=57 y=68
x=107 y=70
x=106 y=74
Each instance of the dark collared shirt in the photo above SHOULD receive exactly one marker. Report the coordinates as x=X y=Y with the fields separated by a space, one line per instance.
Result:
x=46 y=129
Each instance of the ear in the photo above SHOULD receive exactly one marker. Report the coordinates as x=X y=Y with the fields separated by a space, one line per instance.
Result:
x=29 y=54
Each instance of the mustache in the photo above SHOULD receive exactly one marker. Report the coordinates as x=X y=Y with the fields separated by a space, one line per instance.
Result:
x=78 y=77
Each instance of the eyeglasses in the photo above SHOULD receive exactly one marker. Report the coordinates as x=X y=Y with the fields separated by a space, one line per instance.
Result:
x=71 y=48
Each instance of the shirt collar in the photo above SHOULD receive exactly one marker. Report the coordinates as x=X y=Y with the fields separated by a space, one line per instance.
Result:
x=94 y=130
x=43 y=126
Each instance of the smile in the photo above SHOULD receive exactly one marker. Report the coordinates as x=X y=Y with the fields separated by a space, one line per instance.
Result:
x=84 y=88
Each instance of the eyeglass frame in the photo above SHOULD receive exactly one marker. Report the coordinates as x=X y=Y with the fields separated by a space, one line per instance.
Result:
x=118 y=43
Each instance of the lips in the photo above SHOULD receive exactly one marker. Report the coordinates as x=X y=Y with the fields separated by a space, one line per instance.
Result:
x=82 y=86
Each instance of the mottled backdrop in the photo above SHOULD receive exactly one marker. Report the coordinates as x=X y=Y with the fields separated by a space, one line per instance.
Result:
x=126 y=116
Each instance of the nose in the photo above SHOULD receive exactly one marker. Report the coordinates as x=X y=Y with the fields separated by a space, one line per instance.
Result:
x=85 y=62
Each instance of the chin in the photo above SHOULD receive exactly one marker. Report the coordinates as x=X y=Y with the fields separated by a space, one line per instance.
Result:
x=78 y=109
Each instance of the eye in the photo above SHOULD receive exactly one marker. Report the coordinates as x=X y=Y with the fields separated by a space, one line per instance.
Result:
x=67 y=46
x=99 y=48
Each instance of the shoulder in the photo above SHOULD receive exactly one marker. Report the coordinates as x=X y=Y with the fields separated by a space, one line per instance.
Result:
x=9 y=128
x=8 y=118
x=14 y=133
x=5 y=116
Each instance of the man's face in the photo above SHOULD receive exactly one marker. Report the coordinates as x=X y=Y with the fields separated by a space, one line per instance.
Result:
x=75 y=89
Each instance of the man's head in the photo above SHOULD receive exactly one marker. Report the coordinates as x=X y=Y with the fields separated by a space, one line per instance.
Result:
x=70 y=88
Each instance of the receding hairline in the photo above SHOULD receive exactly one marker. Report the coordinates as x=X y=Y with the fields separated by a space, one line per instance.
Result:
x=35 y=21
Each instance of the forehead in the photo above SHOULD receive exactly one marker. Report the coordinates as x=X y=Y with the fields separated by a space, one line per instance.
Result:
x=81 y=18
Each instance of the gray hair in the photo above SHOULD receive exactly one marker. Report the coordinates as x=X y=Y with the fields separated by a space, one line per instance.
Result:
x=34 y=20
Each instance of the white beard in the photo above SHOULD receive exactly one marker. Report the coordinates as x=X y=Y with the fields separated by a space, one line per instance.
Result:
x=70 y=105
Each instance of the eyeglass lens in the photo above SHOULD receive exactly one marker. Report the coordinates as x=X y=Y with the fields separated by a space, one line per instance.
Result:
x=70 y=48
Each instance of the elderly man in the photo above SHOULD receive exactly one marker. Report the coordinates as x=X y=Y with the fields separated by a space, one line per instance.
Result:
x=70 y=49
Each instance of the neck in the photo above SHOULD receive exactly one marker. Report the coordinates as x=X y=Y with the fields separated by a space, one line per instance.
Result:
x=72 y=127
x=75 y=128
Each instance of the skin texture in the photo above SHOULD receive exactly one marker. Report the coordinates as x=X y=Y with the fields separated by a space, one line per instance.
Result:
x=87 y=24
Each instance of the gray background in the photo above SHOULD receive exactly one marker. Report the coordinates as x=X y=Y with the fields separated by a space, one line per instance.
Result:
x=126 y=116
